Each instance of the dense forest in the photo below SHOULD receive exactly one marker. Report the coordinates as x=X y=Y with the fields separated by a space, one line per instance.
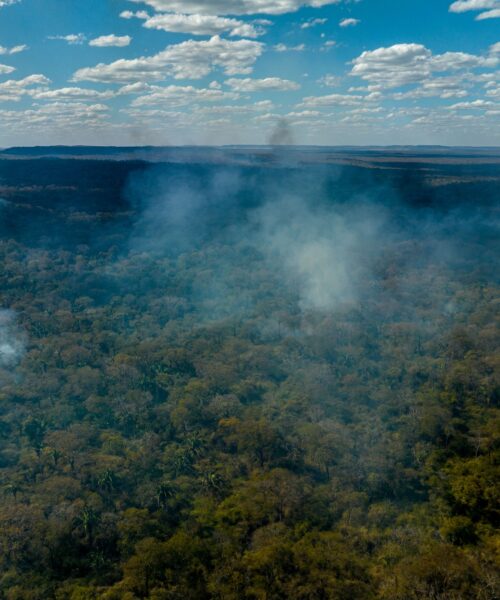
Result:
x=262 y=380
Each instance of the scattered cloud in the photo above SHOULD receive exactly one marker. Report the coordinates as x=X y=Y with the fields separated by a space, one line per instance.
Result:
x=129 y=14
x=491 y=8
x=104 y=41
x=489 y=14
x=285 y=48
x=174 y=95
x=71 y=93
x=393 y=66
x=259 y=85
x=13 y=50
x=56 y=115
x=349 y=22
x=475 y=104
x=187 y=60
x=328 y=45
x=304 y=114
x=196 y=24
x=329 y=80
x=241 y=109
x=404 y=64
x=6 y=69
x=234 y=7
x=494 y=92
x=313 y=23
x=73 y=38
x=461 y=6
x=442 y=87
x=401 y=74
x=14 y=89
x=331 y=100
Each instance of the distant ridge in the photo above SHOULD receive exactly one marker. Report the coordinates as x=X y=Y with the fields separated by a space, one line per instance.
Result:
x=87 y=150
x=363 y=156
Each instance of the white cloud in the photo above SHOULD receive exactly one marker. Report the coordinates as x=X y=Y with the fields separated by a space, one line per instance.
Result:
x=104 y=41
x=188 y=60
x=404 y=64
x=460 y=60
x=70 y=93
x=268 y=117
x=349 y=22
x=14 y=89
x=72 y=39
x=13 y=50
x=285 y=48
x=495 y=48
x=6 y=69
x=364 y=111
x=331 y=100
x=461 y=6
x=139 y=87
x=490 y=14
x=211 y=114
x=475 y=104
x=394 y=66
x=328 y=45
x=442 y=87
x=446 y=120
x=329 y=80
x=259 y=85
x=140 y=14
x=152 y=114
x=234 y=7
x=234 y=110
x=174 y=95
x=303 y=114
x=56 y=115
x=494 y=92
x=491 y=8
x=313 y=23
x=197 y=24
x=4 y=3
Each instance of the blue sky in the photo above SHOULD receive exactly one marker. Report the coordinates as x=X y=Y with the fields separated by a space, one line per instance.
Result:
x=130 y=72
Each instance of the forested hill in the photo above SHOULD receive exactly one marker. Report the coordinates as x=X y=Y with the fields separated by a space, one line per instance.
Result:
x=264 y=377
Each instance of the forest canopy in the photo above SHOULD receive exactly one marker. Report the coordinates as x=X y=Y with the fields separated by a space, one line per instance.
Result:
x=259 y=380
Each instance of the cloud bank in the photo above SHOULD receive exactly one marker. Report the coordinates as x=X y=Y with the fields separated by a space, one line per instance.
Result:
x=187 y=60
x=196 y=24
x=234 y=7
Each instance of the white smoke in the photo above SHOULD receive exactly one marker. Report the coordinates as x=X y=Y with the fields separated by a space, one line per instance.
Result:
x=323 y=250
x=12 y=343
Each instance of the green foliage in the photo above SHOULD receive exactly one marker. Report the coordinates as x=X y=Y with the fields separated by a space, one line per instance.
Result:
x=164 y=441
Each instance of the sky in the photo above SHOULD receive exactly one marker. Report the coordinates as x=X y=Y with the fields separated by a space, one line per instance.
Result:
x=210 y=72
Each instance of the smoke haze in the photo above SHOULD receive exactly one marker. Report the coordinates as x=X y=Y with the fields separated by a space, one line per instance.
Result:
x=327 y=246
x=12 y=346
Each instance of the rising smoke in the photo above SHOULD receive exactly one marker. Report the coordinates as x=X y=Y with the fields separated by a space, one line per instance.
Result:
x=12 y=345
x=319 y=249
x=325 y=251
x=11 y=341
x=326 y=241
x=282 y=135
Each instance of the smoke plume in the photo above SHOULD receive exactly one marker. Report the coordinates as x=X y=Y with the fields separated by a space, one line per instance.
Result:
x=323 y=251
x=12 y=346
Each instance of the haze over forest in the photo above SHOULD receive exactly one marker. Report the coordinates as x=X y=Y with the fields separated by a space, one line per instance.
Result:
x=249 y=300
x=249 y=373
